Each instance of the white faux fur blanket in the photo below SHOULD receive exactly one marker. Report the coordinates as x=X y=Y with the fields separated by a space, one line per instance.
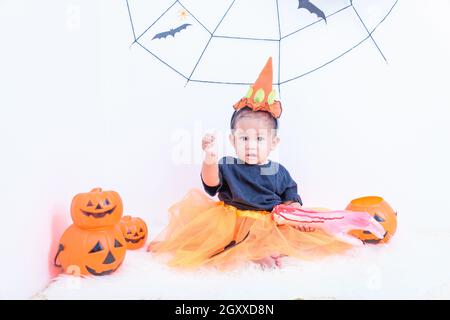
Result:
x=415 y=265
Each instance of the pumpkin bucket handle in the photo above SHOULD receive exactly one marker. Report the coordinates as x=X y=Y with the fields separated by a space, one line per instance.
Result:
x=60 y=249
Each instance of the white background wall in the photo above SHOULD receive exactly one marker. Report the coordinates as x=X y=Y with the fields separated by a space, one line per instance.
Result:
x=79 y=109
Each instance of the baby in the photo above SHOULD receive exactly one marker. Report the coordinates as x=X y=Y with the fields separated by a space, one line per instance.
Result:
x=240 y=226
x=252 y=181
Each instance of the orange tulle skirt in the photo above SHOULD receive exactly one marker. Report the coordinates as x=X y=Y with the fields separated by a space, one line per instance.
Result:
x=204 y=232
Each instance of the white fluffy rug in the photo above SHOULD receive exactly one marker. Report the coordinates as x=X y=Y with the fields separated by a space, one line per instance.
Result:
x=415 y=265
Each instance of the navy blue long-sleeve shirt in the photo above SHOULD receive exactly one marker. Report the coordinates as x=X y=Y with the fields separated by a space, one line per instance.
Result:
x=253 y=186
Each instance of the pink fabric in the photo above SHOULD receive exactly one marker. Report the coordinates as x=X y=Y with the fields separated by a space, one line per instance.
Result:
x=335 y=223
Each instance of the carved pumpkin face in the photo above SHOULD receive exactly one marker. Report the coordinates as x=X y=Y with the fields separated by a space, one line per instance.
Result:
x=92 y=252
x=135 y=232
x=96 y=209
x=378 y=208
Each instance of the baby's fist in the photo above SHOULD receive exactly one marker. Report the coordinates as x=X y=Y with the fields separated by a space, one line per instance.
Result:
x=208 y=144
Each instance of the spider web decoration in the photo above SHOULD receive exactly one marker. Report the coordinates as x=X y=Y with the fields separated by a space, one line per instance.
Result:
x=228 y=41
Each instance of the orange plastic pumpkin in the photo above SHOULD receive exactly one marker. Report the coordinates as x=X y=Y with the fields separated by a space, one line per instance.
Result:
x=95 y=252
x=134 y=231
x=381 y=211
x=96 y=209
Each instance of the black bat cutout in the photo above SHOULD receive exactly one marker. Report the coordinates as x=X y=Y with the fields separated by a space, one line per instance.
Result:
x=305 y=4
x=171 y=32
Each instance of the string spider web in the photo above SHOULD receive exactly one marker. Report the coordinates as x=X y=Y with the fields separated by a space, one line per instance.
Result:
x=200 y=55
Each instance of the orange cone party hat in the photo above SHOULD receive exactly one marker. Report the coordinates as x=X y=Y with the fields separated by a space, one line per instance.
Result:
x=261 y=96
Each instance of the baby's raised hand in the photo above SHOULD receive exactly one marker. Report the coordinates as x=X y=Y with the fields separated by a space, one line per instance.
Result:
x=209 y=145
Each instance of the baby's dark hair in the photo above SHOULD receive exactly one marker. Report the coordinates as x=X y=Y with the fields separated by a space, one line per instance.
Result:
x=243 y=112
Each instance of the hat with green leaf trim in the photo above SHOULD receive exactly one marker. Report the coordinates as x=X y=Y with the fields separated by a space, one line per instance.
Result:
x=260 y=96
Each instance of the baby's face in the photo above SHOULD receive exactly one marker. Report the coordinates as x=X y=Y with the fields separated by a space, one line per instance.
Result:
x=253 y=139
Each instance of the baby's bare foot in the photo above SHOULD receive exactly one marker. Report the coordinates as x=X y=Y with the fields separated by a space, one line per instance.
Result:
x=270 y=262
